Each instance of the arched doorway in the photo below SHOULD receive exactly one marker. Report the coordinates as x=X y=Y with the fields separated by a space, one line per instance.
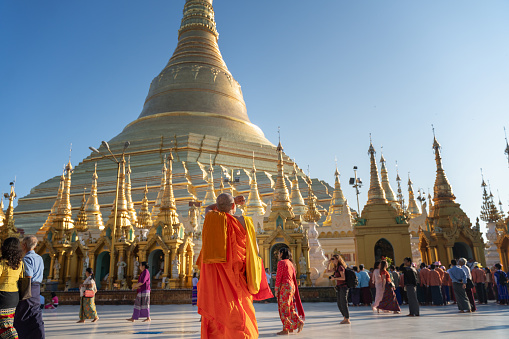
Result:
x=274 y=256
x=102 y=268
x=156 y=263
x=383 y=248
x=46 y=259
x=462 y=250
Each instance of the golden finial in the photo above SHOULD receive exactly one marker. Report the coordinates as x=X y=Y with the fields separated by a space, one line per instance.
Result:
x=376 y=193
x=442 y=188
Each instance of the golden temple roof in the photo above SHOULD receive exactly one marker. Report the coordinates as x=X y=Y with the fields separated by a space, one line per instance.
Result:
x=442 y=188
x=144 y=217
x=92 y=207
x=130 y=205
x=296 y=200
x=81 y=224
x=254 y=204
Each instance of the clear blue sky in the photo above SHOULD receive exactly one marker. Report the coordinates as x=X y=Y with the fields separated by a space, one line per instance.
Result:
x=328 y=72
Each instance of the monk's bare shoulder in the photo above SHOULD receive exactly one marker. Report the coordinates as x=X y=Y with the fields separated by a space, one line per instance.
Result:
x=241 y=220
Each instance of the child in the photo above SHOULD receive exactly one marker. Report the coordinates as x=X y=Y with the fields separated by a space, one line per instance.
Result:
x=53 y=303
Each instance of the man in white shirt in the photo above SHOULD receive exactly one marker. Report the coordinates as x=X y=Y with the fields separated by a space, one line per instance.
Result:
x=470 y=293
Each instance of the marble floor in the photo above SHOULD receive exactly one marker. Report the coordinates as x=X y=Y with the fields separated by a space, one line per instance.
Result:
x=322 y=321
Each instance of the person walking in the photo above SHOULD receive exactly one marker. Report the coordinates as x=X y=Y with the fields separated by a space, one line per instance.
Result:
x=142 y=302
x=469 y=287
x=87 y=298
x=490 y=294
x=289 y=304
x=389 y=301
x=194 y=295
x=11 y=269
x=410 y=280
x=366 y=298
x=28 y=318
x=479 y=279
x=459 y=281
x=379 y=286
x=339 y=275
x=501 y=282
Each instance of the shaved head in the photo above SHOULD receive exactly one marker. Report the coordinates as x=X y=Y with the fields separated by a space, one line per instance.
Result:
x=224 y=202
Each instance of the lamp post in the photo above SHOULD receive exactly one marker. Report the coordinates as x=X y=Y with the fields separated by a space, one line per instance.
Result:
x=356 y=183
x=112 y=157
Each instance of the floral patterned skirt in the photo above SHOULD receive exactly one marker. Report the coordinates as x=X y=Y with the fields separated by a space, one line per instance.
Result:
x=389 y=301
x=87 y=308
x=7 y=330
x=286 y=307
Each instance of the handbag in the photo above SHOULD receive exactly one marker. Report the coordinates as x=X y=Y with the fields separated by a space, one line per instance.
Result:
x=88 y=294
x=24 y=285
x=470 y=284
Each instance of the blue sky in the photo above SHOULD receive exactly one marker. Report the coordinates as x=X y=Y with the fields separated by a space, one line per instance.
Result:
x=329 y=73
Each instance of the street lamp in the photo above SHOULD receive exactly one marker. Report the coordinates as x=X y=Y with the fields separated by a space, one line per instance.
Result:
x=356 y=183
x=112 y=157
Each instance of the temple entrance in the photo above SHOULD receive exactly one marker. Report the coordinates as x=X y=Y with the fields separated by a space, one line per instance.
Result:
x=274 y=256
x=156 y=263
x=102 y=269
x=47 y=264
x=462 y=250
x=383 y=248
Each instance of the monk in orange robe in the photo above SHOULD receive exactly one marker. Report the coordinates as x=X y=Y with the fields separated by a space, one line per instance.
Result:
x=224 y=299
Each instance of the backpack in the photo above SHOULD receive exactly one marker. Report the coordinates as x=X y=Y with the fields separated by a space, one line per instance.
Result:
x=351 y=278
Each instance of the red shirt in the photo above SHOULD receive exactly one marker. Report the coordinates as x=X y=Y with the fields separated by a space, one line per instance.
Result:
x=285 y=273
x=423 y=276
x=478 y=276
x=434 y=278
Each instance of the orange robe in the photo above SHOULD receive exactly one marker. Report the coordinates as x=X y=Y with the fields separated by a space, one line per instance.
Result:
x=224 y=300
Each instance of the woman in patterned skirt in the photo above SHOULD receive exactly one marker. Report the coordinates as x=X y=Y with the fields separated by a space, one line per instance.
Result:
x=289 y=305
x=87 y=304
x=389 y=301
x=142 y=302
x=501 y=283
x=194 y=295
x=11 y=269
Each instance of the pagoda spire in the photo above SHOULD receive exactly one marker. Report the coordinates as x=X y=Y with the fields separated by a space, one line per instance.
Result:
x=489 y=212
x=376 y=194
x=54 y=209
x=168 y=210
x=130 y=204
x=413 y=209
x=338 y=200
x=8 y=229
x=442 y=189
x=400 y=197
x=92 y=207
x=63 y=218
x=296 y=200
x=144 y=217
x=210 y=195
x=389 y=193
x=312 y=214
x=254 y=204
x=281 y=198
x=81 y=224
x=157 y=204
x=2 y=215
x=123 y=220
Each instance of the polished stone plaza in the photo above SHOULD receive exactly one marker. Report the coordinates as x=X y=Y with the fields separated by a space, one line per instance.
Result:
x=322 y=321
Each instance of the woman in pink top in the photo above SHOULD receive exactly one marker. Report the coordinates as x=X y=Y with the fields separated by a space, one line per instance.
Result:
x=287 y=294
x=377 y=281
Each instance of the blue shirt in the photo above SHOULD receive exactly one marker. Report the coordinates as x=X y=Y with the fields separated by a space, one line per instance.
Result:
x=34 y=266
x=457 y=275
x=363 y=279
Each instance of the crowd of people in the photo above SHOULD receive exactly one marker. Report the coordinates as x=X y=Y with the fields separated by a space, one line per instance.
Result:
x=20 y=308
x=386 y=287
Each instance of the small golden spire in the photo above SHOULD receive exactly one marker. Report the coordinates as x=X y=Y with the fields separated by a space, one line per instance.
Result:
x=400 y=197
x=281 y=198
x=130 y=204
x=312 y=214
x=442 y=188
x=413 y=209
x=92 y=207
x=2 y=215
x=376 y=194
x=145 y=219
x=296 y=200
x=338 y=200
x=81 y=223
x=254 y=204
x=9 y=229
x=157 y=204
x=389 y=193
x=168 y=210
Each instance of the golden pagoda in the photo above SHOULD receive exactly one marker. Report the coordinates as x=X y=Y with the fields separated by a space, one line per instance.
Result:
x=450 y=234
x=381 y=231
